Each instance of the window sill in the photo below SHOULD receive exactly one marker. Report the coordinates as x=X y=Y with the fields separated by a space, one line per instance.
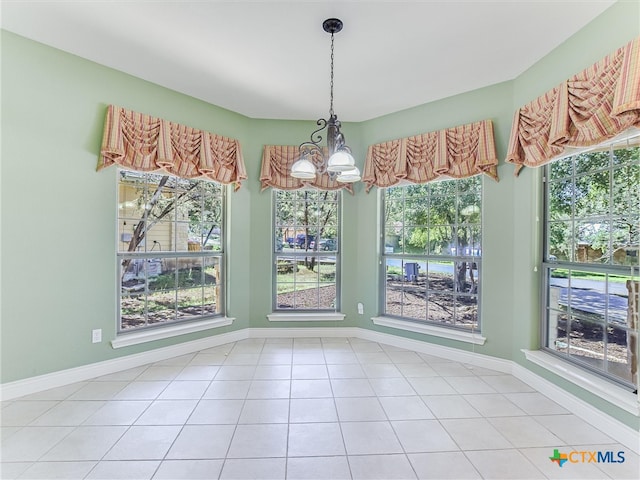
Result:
x=612 y=393
x=128 y=339
x=450 y=333
x=306 y=317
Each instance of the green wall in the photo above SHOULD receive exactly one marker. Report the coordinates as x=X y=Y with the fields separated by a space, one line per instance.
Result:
x=58 y=214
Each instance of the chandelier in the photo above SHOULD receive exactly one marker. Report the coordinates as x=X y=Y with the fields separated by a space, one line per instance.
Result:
x=339 y=163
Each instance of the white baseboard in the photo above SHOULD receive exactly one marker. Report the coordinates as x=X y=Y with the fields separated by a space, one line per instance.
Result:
x=302 y=332
x=462 y=356
x=627 y=436
x=615 y=429
x=40 y=383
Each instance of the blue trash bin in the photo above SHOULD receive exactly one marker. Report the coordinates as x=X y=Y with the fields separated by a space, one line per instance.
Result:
x=411 y=271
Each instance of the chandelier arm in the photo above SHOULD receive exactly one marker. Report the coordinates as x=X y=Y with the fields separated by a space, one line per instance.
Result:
x=315 y=138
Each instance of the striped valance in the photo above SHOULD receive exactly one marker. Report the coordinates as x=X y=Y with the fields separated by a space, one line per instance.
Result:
x=276 y=170
x=144 y=143
x=589 y=108
x=456 y=152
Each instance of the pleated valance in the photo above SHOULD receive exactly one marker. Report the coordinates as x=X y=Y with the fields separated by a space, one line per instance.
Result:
x=589 y=108
x=144 y=143
x=456 y=152
x=276 y=170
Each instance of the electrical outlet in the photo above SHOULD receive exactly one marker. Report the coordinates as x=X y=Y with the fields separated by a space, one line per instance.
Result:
x=96 y=335
x=360 y=309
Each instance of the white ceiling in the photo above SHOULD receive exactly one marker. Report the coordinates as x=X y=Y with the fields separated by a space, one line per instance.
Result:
x=269 y=59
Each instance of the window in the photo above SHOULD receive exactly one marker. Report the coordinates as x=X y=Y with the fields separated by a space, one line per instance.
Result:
x=590 y=264
x=170 y=250
x=432 y=253
x=306 y=250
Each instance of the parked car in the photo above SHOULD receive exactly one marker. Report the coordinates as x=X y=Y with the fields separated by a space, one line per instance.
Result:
x=303 y=241
x=325 y=244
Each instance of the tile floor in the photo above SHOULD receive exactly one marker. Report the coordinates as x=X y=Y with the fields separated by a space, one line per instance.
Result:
x=323 y=408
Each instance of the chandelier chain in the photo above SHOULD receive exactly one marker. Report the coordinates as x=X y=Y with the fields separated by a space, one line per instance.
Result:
x=331 y=83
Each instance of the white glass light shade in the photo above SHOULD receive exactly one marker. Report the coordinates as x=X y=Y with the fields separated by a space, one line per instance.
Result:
x=349 y=176
x=340 y=161
x=304 y=169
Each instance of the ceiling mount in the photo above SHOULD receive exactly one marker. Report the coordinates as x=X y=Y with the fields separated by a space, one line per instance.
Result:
x=332 y=25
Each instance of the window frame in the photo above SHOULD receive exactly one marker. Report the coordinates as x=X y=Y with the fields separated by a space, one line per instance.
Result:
x=404 y=258
x=219 y=258
x=278 y=312
x=549 y=262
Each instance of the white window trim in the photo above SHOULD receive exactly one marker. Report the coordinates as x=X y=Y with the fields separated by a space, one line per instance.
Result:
x=433 y=330
x=153 y=334
x=306 y=317
x=595 y=384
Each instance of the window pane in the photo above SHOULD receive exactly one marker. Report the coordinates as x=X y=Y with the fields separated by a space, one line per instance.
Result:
x=394 y=279
x=469 y=209
x=441 y=276
x=436 y=220
x=592 y=194
x=211 y=238
x=442 y=308
x=160 y=214
x=468 y=241
x=446 y=188
x=620 y=351
x=442 y=210
x=160 y=203
x=394 y=214
x=561 y=194
x=626 y=190
x=587 y=293
x=285 y=281
x=587 y=313
x=306 y=275
x=161 y=301
x=417 y=191
x=306 y=296
x=285 y=214
x=415 y=240
x=591 y=161
x=471 y=185
x=467 y=311
x=133 y=300
x=560 y=240
x=592 y=241
x=211 y=288
x=586 y=342
x=442 y=240
x=416 y=211
x=190 y=280
x=327 y=296
x=162 y=236
x=392 y=240
x=561 y=169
